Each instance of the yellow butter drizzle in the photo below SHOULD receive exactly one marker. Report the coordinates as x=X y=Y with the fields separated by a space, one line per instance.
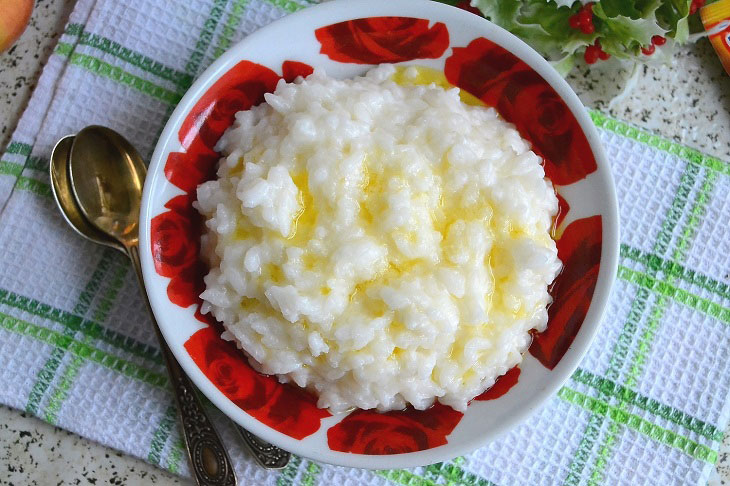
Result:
x=306 y=218
x=422 y=75
x=374 y=186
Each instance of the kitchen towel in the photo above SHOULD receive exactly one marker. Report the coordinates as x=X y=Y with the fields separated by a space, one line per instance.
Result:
x=647 y=405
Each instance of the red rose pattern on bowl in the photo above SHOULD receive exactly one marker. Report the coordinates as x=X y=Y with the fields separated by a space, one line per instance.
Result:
x=481 y=66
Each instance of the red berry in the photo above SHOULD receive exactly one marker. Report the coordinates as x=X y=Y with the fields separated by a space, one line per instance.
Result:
x=583 y=20
x=591 y=54
x=696 y=5
x=587 y=28
x=658 y=40
x=648 y=51
x=603 y=55
x=585 y=17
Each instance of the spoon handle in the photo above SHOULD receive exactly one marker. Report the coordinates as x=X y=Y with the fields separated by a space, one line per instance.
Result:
x=211 y=465
x=267 y=455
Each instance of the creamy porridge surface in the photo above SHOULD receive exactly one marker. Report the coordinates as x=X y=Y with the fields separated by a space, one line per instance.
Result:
x=378 y=243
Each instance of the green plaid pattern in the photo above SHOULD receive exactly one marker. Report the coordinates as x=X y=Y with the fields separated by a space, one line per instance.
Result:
x=647 y=405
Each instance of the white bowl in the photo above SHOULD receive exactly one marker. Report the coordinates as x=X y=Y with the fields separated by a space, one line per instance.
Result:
x=496 y=66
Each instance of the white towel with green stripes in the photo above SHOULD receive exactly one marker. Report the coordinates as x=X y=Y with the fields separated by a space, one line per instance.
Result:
x=647 y=406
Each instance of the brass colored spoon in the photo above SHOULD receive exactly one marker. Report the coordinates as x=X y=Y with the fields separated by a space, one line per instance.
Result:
x=61 y=188
x=107 y=175
x=117 y=148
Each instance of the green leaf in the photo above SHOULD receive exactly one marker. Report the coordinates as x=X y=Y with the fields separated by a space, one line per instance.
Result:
x=578 y=43
x=502 y=13
x=564 y=65
x=540 y=23
x=672 y=15
x=549 y=46
x=623 y=26
x=614 y=8
x=616 y=48
x=681 y=33
x=627 y=31
x=553 y=20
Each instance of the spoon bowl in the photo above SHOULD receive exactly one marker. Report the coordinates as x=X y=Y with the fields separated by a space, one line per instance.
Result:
x=63 y=194
x=107 y=175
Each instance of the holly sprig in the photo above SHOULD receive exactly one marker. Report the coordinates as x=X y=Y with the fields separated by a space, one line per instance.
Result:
x=568 y=31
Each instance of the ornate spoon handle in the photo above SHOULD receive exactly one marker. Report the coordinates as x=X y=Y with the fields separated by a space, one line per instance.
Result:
x=267 y=455
x=209 y=460
x=208 y=457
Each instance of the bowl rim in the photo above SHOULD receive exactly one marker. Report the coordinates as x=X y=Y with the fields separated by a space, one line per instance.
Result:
x=339 y=10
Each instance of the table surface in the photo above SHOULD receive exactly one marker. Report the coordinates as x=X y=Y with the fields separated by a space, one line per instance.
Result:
x=688 y=102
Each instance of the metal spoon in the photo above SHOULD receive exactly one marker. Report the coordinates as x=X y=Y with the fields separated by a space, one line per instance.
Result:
x=60 y=185
x=106 y=175
x=267 y=455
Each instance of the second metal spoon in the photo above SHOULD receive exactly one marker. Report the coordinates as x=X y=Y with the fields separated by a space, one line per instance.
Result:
x=101 y=199
x=61 y=188
x=267 y=455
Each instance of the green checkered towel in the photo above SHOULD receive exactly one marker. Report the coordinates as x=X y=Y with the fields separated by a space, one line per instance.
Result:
x=647 y=405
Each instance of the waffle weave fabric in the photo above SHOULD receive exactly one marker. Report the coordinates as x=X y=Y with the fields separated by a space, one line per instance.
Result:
x=647 y=405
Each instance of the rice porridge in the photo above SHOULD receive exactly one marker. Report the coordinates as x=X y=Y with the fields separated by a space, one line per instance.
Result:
x=379 y=243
